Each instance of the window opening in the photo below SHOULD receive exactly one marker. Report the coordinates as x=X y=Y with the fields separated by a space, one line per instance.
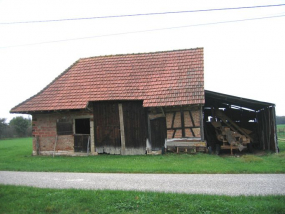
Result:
x=64 y=127
x=82 y=126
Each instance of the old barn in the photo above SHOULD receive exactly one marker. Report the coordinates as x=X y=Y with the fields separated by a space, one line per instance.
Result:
x=139 y=103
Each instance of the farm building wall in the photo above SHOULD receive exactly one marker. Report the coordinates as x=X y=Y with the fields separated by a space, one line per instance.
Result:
x=46 y=137
x=120 y=132
x=117 y=127
x=183 y=122
x=174 y=123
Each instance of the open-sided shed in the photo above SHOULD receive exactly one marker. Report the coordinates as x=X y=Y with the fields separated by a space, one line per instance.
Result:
x=253 y=121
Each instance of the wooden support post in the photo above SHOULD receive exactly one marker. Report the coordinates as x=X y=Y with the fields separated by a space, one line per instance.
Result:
x=122 y=129
x=37 y=145
x=54 y=146
x=92 y=138
x=269 y=130
x=182 y=122
x=202 y=124
x=275 y=129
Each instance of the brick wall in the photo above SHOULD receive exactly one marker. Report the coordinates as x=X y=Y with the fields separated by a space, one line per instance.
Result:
x=45 y=132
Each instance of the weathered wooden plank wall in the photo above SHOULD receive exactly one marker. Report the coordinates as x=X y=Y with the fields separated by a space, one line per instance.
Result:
x=107 y=127
x=107 y=123
x=135 y=124
x=267 y=129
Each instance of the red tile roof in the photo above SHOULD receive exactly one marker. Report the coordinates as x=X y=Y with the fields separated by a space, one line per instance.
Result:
x=159 y=79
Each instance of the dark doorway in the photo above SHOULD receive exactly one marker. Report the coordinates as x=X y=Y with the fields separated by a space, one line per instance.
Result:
x=82 y=126
x=158 y=133
x=82 y=135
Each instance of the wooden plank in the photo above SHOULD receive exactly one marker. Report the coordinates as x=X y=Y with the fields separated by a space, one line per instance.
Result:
x=231 y=123
x=122 y=129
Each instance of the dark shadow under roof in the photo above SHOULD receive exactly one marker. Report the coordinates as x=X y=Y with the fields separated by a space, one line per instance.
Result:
x=212 y=98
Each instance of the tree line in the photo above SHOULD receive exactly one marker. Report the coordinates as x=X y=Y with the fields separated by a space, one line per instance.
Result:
x=280 y=120
x=17 y=127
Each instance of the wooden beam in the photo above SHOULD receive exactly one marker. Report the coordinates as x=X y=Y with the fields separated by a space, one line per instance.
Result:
x=275 y=129
x=122 y=129
x=191 y=116
x=149 y=129
x=174 y=133
x=231 y=123
x=202 y=124
x=173 y=118
x=38 y=145
x=192 y=132
x=182 y=122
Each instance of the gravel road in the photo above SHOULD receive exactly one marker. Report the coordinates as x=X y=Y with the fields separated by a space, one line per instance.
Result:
x=214 y=184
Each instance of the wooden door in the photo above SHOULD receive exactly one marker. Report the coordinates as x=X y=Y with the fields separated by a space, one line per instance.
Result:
x=158 y=133
x=107 y=127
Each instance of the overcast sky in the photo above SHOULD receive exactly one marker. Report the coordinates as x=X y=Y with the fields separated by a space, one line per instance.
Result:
x=244 y=50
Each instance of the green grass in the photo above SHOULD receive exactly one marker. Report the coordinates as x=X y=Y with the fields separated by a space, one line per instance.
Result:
x=15 y=155
x=17 y=199
x=281 y=131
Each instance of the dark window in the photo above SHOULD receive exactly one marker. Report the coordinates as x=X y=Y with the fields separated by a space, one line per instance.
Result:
x=64 y=127
x=82 y=126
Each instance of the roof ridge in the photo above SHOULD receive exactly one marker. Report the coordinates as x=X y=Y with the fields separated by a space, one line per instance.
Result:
x=41 y=91
x=141 y=53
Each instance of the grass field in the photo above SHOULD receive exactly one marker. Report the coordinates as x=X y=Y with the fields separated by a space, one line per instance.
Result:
x=15 y=155
x=281 y=131
x=34 y=200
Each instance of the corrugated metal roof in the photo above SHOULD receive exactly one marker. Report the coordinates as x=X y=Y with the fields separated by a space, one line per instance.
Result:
x=215 y=97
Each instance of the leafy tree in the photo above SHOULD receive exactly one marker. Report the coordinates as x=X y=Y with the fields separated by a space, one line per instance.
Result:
x=20 y=125
x=3 y=126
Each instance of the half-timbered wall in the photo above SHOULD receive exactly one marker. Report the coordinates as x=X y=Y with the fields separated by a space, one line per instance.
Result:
x=183 y=122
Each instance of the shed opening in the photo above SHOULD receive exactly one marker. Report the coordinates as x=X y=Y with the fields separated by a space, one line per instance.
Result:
x=237 y=123
x=82 y=135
